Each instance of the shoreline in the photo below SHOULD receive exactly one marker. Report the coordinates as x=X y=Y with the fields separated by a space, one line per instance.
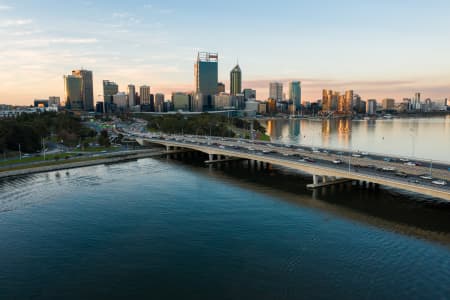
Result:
x=63 y=165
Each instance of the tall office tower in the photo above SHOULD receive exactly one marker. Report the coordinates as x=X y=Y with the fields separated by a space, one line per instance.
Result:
x=334 y=100
x=341 y=104
x=325 y=101
x=416 y=102
x=348 y=101
x=295 y=94
x=73 y=92
x=110 y=88
x=371 y=106
x=87 y=88
x=235 y=81
x=131 y=95
x=276 y=91
x=144 y=92
x=159 y=102
x=356 y=103
x=220 y=87
x=206 y=78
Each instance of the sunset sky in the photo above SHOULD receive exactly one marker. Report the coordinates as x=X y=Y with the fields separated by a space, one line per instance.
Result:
x=377 y=48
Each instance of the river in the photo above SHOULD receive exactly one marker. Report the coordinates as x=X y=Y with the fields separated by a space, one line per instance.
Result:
x=177 y=229
x=425 y=138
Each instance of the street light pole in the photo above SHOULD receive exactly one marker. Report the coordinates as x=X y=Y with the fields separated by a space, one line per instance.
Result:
x=20 y=153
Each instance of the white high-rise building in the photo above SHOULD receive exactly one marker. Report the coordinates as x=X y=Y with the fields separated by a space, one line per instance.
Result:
x=144 y=92
x=276 y=91
x=131 y=95
x=159 y=102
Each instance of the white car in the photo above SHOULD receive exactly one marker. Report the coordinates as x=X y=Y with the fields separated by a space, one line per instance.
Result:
x=426 y=177
x=410 y=163
x=439 y=182
x=337 y=161
x=356 y=155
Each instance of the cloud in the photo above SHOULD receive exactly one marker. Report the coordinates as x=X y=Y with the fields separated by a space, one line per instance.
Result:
x=13 y=23
x=5 y=7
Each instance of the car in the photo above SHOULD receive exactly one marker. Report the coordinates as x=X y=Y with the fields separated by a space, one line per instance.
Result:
x=410 y=163
x=387 y=159
x=404 y=159
x=426 y=177
x=222 y=147
x=439 y=182
x=401 y=174
x=364 y=153
x=309 y=159
x=388 y=169
x=356 y=155
x=337 y=161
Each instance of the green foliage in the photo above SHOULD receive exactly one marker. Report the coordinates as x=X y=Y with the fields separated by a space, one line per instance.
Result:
x=28 y=130
x=203 y=124
x=103 y=139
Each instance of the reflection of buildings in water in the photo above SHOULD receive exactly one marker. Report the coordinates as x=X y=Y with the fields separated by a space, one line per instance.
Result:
x=269 y=127
x=328 y=127
x=344 y=130
x=294 y=128
x=344 y=126
x=276 y=129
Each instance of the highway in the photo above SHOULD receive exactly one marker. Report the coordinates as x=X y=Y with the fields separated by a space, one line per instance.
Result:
x=421 y=176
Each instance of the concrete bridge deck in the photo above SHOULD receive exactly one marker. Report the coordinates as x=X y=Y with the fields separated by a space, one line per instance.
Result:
x=320 y=164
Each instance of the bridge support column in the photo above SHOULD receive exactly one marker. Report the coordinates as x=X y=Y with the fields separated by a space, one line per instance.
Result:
x=315 y=179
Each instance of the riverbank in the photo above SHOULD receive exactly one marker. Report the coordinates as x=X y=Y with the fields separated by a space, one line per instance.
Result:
x=78 y=163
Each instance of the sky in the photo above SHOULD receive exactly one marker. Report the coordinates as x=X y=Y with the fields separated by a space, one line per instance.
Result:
x=377 y=48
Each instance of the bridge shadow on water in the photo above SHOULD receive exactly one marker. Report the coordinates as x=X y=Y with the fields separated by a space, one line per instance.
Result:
x=394 y=210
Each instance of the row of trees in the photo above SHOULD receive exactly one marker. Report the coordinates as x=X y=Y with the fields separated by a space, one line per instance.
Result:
x=203 y=124
x=27 y=130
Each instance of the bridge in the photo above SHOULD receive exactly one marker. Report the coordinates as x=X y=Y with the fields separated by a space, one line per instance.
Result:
x=327 y=166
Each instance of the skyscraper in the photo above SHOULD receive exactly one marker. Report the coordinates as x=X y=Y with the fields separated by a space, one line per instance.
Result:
x=206 y=78
x=348 y=101
x=110 y=88
x=235 y=81
x=144 y=92
x=131 y=95
x=73 y=92
x=87 y=88
x=295 y=94
x=276 y=91
x=416 y=101
x=159 y=102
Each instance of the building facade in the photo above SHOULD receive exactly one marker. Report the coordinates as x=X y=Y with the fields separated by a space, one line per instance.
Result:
x=276 y=91
x=73 y=92
x=206 y=79
x=110 y=88
x=295 y=94
x=181 y=101
x=144 y=93
x=236 y=81
x=131 y=91
x=87 y=88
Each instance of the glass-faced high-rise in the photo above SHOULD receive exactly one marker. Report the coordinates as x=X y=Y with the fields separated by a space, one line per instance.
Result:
x=206 y=78
x=295 y=93
x=73 y=92
x=235 y=81
x=87 y=88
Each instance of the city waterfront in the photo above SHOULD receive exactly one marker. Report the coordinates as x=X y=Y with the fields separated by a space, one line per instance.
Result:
x=167 y=229
x=425 y=138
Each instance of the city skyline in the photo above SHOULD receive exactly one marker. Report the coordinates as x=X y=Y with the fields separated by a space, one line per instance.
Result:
x=155 y=44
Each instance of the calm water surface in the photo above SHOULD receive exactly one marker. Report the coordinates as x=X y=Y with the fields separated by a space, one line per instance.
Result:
x=157 y=229
x=427 y=138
